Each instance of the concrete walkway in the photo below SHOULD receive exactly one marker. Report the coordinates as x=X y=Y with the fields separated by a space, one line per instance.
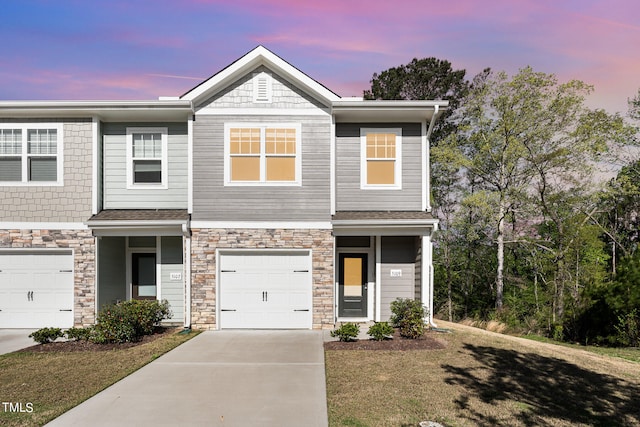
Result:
x=221 y=378
x=15 y=339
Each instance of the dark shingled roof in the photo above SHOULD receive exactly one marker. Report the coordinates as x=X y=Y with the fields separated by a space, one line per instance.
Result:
x=141 y=215
x=381 y=215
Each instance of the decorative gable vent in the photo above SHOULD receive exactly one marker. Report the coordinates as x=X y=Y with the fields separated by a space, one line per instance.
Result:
x=262 y=87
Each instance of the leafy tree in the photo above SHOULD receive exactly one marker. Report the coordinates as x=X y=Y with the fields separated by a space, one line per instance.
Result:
x=620 y=212
x=634 y=106
x=427 y=78
x=528 y=141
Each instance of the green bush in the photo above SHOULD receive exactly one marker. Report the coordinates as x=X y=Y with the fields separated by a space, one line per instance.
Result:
x=129 y=321
x=628 y=329
x=380 y=331
x=408 y=316
x=78 y=334
x=46 y=335
x=347 y=332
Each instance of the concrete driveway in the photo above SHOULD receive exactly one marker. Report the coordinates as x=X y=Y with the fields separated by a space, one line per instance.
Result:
x=219 y=378
x=15 y=339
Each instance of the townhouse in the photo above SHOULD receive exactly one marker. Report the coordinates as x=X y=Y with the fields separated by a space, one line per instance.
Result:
x=258 y=199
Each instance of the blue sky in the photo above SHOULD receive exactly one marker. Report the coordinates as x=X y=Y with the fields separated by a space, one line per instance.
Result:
x=142 y=49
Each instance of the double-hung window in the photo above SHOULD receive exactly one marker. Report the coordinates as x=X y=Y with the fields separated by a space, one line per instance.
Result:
x=258 y=154
x=381 y=159
x=147 y=158
x=31 y=154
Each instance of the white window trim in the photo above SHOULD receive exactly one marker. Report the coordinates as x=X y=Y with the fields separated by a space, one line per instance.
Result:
x=268 y=80
x=263 y=171
x=164 y=180
x=25 y=127
x=397 y=185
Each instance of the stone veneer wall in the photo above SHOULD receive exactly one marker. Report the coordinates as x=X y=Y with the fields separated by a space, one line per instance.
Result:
x=82 y=242
x=203 y=267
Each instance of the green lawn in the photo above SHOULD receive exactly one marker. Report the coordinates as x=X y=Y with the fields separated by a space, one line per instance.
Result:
x=53 y=383
x=482 y=379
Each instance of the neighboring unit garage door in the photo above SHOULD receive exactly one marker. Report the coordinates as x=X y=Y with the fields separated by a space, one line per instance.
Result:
x=36 y=289
x=270 y=290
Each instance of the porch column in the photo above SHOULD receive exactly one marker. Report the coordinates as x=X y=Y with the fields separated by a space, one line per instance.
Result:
x=187 y=280
x=426 y=279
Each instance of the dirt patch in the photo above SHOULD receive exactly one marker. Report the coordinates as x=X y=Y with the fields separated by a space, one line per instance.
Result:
x=75 y=346
x=429 y=341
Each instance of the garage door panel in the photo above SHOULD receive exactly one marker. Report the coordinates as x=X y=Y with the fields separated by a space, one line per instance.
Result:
x=36 y=289
x=265 y=291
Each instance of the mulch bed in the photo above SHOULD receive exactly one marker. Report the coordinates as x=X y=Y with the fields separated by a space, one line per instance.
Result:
x=429 y=341
x=73 y=346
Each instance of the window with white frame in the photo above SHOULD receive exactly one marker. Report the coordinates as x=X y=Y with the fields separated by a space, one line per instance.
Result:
x=147 y=157
x=262 y=154
x=31 y=154
x=381 y=159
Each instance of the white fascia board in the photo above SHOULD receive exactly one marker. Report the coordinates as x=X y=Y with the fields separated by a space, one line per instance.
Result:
x=386 y=111
x=374 y=104
x=262 y=225
x=259 y=56
x=385 y=222
x=135 y=223
x=105 y=110
x=385 y=229
x=382 y=231
x=137 y=231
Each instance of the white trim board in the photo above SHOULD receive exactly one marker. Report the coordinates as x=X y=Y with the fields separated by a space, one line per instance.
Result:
x=261 y=225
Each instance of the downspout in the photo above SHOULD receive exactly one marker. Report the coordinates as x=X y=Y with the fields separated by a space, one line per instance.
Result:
x=436 y=111
x=186 y=228
x=187 y=272
x=429 y=246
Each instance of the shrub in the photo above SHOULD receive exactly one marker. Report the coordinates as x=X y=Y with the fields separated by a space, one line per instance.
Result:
x=129 y=321
x=347 y=332
x=408 y=316
x=78 y=334
x=628 y=329
x=46 y=335
x=380 y=331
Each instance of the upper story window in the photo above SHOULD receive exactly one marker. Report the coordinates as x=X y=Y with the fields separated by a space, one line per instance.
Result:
x=259 y=154
x=31 y=154
x=381 y=159
x=147 y=158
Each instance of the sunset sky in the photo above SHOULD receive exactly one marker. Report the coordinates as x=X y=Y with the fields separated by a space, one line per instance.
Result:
x=142 y=49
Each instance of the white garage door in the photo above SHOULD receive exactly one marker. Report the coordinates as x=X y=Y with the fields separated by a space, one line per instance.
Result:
x=36 y=289
x=265 y=290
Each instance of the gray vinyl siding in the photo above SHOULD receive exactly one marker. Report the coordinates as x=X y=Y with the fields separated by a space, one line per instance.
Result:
x=116 y=194
x=349 y=195
x=395 y=287
x=212 y=201
x=398 y=253
x=111 y=270
x=70 y=202
x=171 y=261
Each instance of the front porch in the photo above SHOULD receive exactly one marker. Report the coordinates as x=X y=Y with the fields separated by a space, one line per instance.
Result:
x=379 y=257
x=141 y=255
